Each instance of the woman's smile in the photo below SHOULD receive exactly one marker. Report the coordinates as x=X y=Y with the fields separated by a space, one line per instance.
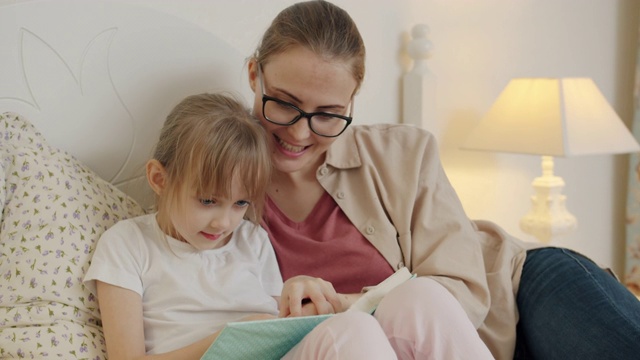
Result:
x=289 y=149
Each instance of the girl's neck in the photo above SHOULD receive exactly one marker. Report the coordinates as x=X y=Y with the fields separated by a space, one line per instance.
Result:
x=167 y=228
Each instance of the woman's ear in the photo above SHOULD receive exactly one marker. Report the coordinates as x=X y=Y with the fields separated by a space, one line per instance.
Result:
x=253 y=74
x=156 y=176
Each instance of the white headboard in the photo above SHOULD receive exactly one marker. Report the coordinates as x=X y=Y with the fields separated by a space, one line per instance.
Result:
x=98 y=78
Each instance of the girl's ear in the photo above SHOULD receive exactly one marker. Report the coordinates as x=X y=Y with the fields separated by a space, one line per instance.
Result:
x=156 y=176
x=253 y=74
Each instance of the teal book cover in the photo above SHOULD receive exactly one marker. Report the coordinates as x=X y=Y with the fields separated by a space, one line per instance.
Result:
x=261 y=339
x=272 y=339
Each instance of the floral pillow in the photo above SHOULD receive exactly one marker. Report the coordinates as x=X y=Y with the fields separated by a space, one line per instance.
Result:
x=54 y=209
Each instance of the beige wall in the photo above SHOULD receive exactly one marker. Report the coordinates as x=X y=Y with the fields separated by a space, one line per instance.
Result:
x=478 y=46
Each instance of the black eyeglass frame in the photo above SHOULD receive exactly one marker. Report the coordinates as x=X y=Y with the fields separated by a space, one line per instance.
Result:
x=302 y=114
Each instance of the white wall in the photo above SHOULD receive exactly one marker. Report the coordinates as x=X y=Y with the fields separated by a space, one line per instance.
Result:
x=478 y=47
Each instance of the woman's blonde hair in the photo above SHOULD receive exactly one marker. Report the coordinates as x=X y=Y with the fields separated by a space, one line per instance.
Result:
x=208 y=141
x=319 y=26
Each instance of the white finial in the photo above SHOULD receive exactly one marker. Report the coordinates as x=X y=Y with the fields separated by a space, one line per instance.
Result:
x=419 y=84
x=420 y=48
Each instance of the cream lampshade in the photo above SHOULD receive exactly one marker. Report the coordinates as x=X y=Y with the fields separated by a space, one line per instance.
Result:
x=551 y=117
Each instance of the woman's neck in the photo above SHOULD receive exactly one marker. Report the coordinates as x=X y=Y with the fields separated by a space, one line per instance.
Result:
x=297 y=179
x=291 y=183
x=295 y=193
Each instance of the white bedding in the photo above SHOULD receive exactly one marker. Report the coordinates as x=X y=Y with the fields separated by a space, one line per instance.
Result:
x=99 y=82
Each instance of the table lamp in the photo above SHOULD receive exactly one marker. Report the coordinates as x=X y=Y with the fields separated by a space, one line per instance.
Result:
x=551 y=117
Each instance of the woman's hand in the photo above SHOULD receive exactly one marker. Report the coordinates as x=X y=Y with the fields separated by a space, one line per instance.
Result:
x=306 y=295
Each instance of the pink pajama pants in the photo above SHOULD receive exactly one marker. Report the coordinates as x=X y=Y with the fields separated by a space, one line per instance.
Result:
x=419 y=319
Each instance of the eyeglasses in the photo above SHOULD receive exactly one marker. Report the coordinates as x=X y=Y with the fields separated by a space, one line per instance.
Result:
x=282 y=113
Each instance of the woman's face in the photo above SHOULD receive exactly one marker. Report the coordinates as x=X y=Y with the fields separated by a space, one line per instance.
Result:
x=313 y=84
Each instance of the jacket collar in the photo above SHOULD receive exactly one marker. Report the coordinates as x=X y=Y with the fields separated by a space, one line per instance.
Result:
x=344 y=152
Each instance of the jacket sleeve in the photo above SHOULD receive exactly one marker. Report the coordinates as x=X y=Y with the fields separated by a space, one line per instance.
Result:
x=436 y=237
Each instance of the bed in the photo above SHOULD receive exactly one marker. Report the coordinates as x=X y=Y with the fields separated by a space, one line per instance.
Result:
x=84 y=89
x=79 y=114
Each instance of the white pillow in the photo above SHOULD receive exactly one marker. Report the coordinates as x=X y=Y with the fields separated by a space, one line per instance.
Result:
x=54 y=209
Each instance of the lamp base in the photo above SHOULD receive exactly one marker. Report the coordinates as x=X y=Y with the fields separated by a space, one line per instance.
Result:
x=548 y=218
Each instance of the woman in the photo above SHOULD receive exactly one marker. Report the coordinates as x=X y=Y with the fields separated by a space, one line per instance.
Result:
x=350 y=204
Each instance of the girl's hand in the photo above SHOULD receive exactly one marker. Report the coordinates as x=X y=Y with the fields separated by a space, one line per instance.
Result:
x=306 y=295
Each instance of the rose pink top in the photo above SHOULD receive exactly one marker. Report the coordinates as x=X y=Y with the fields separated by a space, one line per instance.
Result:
x=325 y=245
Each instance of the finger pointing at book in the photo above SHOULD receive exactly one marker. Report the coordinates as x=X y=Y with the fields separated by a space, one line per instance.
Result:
x=303 y=289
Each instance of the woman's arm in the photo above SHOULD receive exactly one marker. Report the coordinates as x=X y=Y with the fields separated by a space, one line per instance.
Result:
x=121 y=311
x=404 y=204
x=305 y=295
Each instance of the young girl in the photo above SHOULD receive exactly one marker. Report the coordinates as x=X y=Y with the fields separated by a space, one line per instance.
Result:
x=168 y=282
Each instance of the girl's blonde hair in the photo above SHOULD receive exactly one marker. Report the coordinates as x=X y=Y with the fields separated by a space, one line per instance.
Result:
x=208 y=141
x=320 y=26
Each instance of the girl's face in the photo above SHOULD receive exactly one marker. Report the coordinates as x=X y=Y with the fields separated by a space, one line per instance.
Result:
x=311 y=83
x=206 y=221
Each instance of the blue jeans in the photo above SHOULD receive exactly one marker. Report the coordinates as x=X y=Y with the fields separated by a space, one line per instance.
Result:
x=572 y=309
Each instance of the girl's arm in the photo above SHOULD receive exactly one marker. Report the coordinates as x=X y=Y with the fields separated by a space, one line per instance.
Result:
x=121 y=311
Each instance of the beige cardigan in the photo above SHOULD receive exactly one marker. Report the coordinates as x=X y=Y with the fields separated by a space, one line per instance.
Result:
x=389 y=181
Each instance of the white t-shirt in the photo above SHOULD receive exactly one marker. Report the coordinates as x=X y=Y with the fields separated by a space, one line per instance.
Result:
x=187 y=294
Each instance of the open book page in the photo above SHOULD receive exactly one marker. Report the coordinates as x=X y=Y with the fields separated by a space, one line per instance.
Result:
x=370 y=300
x=273 y=338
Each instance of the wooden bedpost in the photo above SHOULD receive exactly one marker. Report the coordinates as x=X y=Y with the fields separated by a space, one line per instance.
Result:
x=419 y=84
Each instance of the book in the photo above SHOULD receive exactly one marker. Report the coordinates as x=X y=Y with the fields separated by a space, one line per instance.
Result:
x=370 y=300
x=261 y=339
x=273 y=338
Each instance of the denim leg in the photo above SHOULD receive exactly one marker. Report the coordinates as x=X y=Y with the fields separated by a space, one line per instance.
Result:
x=572 y=309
